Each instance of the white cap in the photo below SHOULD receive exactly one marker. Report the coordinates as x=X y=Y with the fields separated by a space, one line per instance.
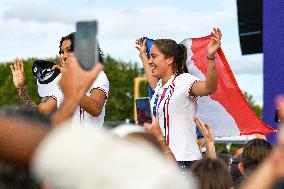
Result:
x=88 y=157
x=49 y=89
x=125 y=129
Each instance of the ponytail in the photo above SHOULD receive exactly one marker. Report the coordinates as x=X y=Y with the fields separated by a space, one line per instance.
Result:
x=183 y=57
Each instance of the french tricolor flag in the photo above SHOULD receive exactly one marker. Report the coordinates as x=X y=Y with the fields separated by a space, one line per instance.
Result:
x=227 y=111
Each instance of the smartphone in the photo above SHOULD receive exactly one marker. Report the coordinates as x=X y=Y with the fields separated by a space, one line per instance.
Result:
x=86 y=45
x=276 y=117
x=143 y=109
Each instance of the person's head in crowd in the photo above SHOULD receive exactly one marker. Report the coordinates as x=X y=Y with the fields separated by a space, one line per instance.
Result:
x=236 y=174
x=67 y=45
x=255 y=151
x=235 y=167
x=97 y=159
x=168 y=56
x=224 y=155
x=29 y=115
x=15 y=176
x=12 y=174
x=212 y=174
x=136 y=133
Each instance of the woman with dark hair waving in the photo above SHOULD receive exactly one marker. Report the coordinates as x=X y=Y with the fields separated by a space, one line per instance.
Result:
x=175 y=91
x=92 y=105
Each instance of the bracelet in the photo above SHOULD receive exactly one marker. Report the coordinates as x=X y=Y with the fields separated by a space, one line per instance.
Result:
x=210 y=58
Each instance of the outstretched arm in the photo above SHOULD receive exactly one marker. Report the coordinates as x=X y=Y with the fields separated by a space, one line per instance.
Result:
x=94 y=104
x=75 y=90
x=203 y=88
x=48 y=105
x=141 y=46
x=18 y=73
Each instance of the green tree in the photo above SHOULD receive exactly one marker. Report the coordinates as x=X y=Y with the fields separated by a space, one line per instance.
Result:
x=121 y=76
x=143 y=89
x=256 y=108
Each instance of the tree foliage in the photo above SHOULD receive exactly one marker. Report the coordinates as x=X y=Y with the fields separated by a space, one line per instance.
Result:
x=143 y=89
x=256 y=108
x=121 y=76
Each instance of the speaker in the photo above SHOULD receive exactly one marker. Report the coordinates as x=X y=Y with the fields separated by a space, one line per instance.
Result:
x=250 y=25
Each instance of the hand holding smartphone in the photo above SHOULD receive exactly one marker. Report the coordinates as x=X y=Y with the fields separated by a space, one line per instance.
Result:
x=144 y=114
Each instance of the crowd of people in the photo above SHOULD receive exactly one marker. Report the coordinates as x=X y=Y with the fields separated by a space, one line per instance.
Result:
x=61 y=142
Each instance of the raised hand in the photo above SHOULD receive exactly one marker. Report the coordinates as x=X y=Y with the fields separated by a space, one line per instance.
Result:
x=62 y=61
x=154 y=128
x=215 y=44
x=204 y=129
x=208 y=137
x=18 y=73
x=62 y=66
x=141 y=46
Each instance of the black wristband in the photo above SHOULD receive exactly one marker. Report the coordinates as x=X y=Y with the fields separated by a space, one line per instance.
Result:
x=211 y=58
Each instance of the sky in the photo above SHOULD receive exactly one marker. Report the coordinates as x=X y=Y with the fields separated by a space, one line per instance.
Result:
x=33 y=28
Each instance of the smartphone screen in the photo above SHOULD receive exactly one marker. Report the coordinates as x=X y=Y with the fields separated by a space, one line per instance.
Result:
x=144 y=114
x=86 y=45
